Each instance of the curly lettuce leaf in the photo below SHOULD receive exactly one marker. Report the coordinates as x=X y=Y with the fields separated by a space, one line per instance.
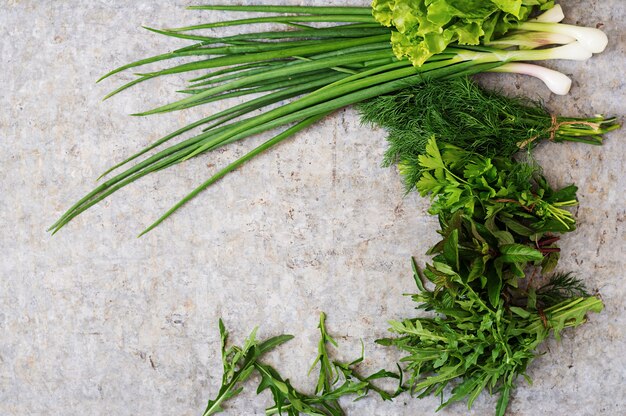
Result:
x=426 y=27
x=382 y=10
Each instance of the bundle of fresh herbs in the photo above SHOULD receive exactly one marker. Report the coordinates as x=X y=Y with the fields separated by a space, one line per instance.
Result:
x=472 y=345
x=497 y=217
x=460 y=112
x=335 y=380
x=500 y=221
x=318 y=70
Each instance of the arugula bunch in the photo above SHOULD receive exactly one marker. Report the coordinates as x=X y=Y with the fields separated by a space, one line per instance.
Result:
x=425 y=28
x=474 y=346
x=335 y=380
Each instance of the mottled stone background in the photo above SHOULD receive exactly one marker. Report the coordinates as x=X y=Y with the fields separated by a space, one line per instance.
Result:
x=96 y=322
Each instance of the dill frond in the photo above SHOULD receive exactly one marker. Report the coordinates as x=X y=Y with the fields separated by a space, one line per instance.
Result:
x=561 y=287
x=458 y=112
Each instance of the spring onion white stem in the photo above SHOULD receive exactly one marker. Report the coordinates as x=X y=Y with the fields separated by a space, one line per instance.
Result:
x=594 y=40
x=531 y=40
x=556 y=81
x=573 y=51
x=553 y=15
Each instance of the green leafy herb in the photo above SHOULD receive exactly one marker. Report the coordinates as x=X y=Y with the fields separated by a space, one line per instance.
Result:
x=239 y=363
x=560 y=287
x=335 y=379
x=461 y=113
x=492 y=188
x=498 y=218
x=473 y=346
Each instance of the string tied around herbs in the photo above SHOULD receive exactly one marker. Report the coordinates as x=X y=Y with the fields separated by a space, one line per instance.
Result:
x=554 y=128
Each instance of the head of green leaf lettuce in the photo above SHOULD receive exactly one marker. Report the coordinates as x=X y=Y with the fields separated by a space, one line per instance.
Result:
x=425 y=28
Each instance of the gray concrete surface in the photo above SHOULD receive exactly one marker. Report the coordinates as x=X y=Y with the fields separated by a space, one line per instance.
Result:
x=94 y=321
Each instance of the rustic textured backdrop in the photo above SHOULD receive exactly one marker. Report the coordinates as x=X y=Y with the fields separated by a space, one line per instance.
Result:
x=94 y=321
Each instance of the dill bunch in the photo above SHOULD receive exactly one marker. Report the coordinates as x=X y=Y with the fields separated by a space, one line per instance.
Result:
x=463 y=114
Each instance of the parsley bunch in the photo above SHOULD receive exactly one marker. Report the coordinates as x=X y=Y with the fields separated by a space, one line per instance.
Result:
x=486 y=188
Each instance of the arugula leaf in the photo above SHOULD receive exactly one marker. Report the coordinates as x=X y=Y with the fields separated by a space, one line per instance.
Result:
x=335 y=379
x=238 y=365
x=327 y=372
x=475 y=347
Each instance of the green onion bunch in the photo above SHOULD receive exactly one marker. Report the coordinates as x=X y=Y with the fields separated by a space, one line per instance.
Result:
x=325 y=59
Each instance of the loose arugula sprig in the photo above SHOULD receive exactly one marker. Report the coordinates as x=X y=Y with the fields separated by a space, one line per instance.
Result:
x=473 y=346
x=333 y=372
x=336 y=379
x=239 y=363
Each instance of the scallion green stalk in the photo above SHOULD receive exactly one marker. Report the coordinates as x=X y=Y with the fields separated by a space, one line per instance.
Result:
x=336 y=66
